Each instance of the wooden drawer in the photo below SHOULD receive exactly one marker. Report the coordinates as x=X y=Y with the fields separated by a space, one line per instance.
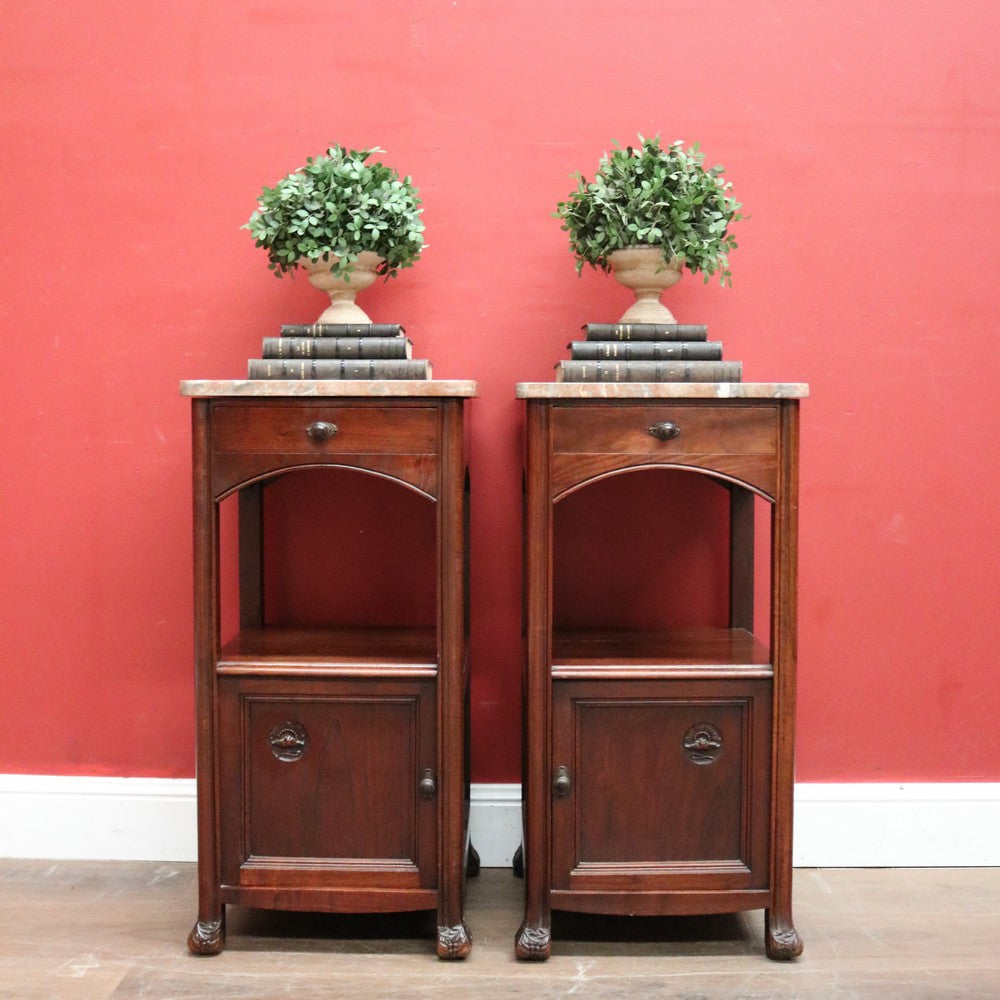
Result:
x=665 y=430
x=323 y=429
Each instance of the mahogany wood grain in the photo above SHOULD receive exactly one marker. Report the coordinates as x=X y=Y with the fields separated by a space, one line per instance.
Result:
x=334 y=645
x=741 y=558
x=251 y=556
x=737 y=441
x=658 y=764
x=715 y=647
x=349 y=804
x=781 y=938
x=743 y=429
x=361 y=428
x=698 y=825
x=332 y=761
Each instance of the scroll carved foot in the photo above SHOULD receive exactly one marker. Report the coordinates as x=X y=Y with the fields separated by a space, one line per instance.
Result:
x=453 y=942
x=534 y=944
x=206 y=938
x=781 y=939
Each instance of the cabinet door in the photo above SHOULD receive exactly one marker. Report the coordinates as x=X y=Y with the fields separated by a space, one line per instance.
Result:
x=320 y=783
x=661 y=785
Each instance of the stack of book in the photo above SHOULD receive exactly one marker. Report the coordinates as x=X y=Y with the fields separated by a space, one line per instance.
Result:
x=647 y=352
x=338 y=351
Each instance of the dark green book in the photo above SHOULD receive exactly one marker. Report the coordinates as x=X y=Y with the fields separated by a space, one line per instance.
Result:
x=646 y=331
x=337 y=347
x=341 y=330
x=310 y=368
x=646 y=350
x=649 y=371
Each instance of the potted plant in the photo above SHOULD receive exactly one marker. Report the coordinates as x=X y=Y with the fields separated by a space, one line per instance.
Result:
x=650 y=212
x=343 y=221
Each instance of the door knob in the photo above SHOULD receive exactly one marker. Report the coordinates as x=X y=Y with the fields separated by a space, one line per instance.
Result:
x=563 y=783
x=428 y=784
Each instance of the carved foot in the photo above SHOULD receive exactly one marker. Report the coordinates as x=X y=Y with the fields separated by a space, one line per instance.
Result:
x=533 y=944
x=472 y=863
x=206 y=938
x=781 y=939
x=453 y=942
x=519 y=862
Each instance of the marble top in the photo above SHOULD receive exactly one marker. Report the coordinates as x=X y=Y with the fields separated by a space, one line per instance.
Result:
x=371 y=388
x=662 y=390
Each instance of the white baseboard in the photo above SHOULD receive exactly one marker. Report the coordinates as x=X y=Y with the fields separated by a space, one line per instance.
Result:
x=75 y=818
x=836 y=825
x=922 y=825
x=495 y=823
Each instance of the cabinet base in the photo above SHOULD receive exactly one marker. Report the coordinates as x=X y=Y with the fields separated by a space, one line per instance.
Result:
x=453 y=942
x=533 y=944
x=781 y=939
x=207 y=937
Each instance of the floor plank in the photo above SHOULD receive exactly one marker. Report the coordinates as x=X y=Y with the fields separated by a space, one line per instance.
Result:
x=102 y=930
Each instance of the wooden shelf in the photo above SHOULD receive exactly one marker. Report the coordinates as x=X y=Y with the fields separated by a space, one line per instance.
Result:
x=578 y=653
x=352 y=651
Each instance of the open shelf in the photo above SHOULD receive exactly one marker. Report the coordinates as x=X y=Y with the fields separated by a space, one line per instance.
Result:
x=584 y=653
x=409 y=651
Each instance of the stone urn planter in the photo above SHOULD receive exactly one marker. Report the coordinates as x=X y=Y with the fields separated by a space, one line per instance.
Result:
x=342 y=290
x=643 y=270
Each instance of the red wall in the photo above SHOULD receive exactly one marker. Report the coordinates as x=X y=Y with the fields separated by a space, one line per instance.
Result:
x=863 y=139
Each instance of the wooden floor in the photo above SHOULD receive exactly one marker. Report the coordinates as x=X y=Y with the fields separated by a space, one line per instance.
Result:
x=74 y=930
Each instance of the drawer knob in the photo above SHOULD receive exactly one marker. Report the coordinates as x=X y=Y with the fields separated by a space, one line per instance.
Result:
x=563 y=783
x=428 y=784
x=320 y=430
x=664 y=431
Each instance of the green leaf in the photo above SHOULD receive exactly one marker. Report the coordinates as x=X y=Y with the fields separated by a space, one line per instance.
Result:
x=339 y=204
x=651 y=194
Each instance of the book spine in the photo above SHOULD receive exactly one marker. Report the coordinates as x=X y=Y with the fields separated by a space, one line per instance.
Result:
x=341 y=330
x=646 y=331
x=336 y=347
x=646 y=350
x=311 y=368
x=649 y=371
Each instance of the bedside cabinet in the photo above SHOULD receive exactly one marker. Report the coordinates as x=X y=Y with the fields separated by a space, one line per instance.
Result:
x=658 y=763
x=331 y=760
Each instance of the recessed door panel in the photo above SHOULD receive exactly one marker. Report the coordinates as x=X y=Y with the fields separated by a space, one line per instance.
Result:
x=661 y=780
x=328 y=776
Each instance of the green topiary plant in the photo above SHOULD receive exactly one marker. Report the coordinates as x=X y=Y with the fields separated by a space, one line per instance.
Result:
x=338 y=205
x=656 y=197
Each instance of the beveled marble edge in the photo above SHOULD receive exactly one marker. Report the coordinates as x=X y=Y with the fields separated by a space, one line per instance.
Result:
x=662 y=390
x=329 y=387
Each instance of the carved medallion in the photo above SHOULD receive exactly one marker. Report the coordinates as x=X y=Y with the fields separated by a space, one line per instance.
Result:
x=703 y=743
x=288 y=741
